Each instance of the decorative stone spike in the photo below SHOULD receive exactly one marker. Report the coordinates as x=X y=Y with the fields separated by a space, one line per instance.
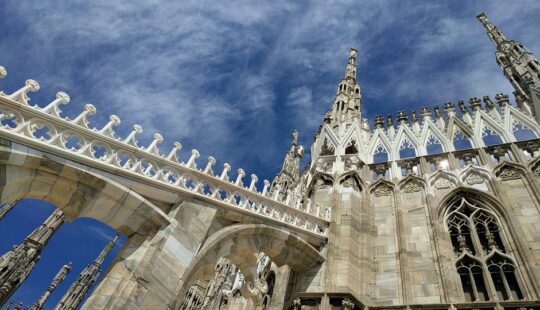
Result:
x=475 y=103
x=489 y=104
x=464 y=113
x=177 y=146
x=414 y=122
x=78 y=290
x=276 y=191
x=131 y=139
x=17 y=264
x=502 y=100
x=266 y=187
x=425 y=113
x=152 y=148
x=108 y=128
x=254 y=180
x=490 y=107
x=241 y=174
x=192 y=159
x=3 y=72
x=402 y=117
x=209 y=165
x=60 y=276
x=224 y=174
x=414 y=117
x=81 y=120
x=389 y=121
x=390 y=126
x=52 y=108
x=449 y=109
x=21 y=95
x=438 y=117
x=378 y=122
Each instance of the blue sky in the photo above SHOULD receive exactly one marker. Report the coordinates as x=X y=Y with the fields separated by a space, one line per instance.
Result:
x=234 y=78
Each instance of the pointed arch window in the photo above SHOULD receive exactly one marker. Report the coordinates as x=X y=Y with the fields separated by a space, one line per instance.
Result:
x=485 y=267
x=522 y=131
x=433 y=145
x=461 y=142
x=490 y=137
x=406 y=148
x=380 y=154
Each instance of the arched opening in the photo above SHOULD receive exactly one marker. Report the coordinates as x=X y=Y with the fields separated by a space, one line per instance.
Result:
x=491 y=137
x=481 y=249
x=433 y=145
x=461 y=142
x=79 y=242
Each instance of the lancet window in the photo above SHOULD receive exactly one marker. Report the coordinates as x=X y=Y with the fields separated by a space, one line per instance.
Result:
x=406 y=148
x=380 y=154
x=486 y=269
x=461 y=142
x=433 y=145
x=490 y=137
x=521 y=131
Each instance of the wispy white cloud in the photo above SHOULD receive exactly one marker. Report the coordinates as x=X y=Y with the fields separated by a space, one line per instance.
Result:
x=234 y=78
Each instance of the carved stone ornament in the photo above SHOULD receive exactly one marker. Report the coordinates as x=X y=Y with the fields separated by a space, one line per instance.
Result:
x=474 y=178
x=411 y=187
x=382 y=190
x=509 y=174
x=537 y=171
x=323 y=165
x=349 y=183
x=443 y=183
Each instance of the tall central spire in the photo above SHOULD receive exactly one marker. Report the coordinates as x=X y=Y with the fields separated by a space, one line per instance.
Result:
x=495 y=35
x=347 y=104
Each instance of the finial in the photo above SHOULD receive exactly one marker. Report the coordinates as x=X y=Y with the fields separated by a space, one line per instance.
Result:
x=502 y=99
x=402 y=117
x=489 y=104
x=81 y=119
x=152 y=148
x=414 y=117
x=108 y=128
x=3 y=72
x=425 y=113
x=474 y=103
x=177 y=146
x=209 y=165
x=21 y=95
x=437 y=111
x=294 y=137
x=191 y=161
x=131 y=139
x=226 y=169
x=241 y=174
x=449 y=109
x=389 y=121
x=266 y=187
x=378 y=122
x=254 y=180
x=52 y=108
x=462 y=107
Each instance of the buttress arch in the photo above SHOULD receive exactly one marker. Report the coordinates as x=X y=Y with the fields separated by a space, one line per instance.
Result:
x=241 y=244
x=77 y=191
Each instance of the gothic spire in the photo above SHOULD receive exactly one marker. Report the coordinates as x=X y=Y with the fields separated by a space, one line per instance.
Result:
x=495 y=35
x=347 y=103
x=520 y=67
x=78 y=290
x=288 y=176
x=6 y=207
x=16 y=265
x=60 y=276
